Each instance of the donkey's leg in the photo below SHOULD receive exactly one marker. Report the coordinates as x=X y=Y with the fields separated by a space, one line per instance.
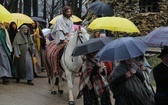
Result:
x=58 y=84
x=52 y=84
x=70 y=87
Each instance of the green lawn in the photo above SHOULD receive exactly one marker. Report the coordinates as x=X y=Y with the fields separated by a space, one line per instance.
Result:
x=153 y=61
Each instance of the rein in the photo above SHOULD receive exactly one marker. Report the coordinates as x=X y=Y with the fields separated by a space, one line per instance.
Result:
x=78 y=37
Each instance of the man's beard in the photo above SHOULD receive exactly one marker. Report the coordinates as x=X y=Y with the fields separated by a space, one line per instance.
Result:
x=68 y=16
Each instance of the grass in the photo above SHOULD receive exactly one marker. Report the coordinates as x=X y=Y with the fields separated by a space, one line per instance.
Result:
x=153 y=61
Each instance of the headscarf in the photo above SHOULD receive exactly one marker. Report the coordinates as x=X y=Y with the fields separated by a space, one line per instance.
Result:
x=19 y=39
x=12 y=32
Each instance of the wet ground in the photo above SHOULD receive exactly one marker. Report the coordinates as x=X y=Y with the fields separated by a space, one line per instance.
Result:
x=38 y=94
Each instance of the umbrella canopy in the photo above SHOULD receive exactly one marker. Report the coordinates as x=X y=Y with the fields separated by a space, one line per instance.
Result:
x=5 y=15
x=122 y=49
x=100 y=8
x=158 y=37
x=91 y=45
x=46 y=31
x=114 y=24
x=19 y=19
x=74 y=19
x=38 y=19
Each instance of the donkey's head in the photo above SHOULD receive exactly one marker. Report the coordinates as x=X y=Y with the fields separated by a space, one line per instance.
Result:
x=82 y=35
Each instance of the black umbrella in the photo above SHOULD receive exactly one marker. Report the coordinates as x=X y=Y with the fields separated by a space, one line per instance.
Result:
x=92 y=45
x=100 y=8
x=38 y=19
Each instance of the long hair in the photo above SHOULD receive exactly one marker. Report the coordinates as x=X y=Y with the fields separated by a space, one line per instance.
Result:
x=31 y=27
x=12 y=32
x=64 y=10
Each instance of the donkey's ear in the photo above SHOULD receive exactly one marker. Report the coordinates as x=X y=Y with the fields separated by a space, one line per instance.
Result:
x=79 y=27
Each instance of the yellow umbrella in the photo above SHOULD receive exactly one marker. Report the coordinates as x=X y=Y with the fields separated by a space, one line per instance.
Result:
x=114 y=24
x=21 y=18
x=74 y=19
x=5 y=15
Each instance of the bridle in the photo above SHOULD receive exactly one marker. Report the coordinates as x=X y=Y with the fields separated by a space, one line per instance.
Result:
x=78 y=38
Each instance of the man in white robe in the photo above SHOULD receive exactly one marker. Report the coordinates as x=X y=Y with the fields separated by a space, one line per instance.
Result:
x=64 y=26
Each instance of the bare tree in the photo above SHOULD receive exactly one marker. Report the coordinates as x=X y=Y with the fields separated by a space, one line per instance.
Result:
x=20 y=6
x=55 y=8
x=63 y=3
x=27 y=7
x=10 y=5
x=51 y=8
x=1 y=2
x=6 y=4
x=44 y=9
x=79 y=9
x=35 y=8
x=13 y=6
x=76 y=6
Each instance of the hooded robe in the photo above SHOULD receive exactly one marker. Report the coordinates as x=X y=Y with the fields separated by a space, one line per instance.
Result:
x=128 y=91
x=23 y=47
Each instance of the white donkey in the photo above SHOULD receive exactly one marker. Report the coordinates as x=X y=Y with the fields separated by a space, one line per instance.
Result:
x=70 y=64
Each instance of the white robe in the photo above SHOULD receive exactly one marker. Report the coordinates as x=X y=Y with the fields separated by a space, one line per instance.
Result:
x=62 y=27
x=9 y=45
x=5 y=67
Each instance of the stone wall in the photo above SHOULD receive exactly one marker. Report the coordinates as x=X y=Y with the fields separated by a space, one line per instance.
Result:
x=130 y=9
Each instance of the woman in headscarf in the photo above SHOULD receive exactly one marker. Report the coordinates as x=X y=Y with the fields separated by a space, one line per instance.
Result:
x=96 y=34
x=5 y=60
x=23 y=52
x=93 y=86
x=12 y=30
x=146 y=69
x=39 y=41
x=126 y=83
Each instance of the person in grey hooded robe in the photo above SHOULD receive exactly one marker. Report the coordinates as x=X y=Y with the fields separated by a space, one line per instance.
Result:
x=23 y=52
x=126 y=83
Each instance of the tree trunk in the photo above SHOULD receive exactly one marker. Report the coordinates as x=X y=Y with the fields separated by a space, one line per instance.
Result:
x=27 y=7
x=69 y=2
x=52 y=10
x=13 y=6
x=6 y=5
x=44 y=10
x=1 y=2
x=35 y=8
x=63 y=3
x=74 y=6
x=79 y=10
x=20 y=6
x=74 y=3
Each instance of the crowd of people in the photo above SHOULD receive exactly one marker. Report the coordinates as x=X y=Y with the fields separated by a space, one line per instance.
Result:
x=17 y=50
x=129 y=81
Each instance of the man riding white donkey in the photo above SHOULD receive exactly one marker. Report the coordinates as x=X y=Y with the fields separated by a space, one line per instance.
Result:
x=65 y=39
x=62 y=32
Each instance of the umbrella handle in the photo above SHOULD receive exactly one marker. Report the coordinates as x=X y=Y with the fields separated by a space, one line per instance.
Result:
x=152 y=89
x=161 y=45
